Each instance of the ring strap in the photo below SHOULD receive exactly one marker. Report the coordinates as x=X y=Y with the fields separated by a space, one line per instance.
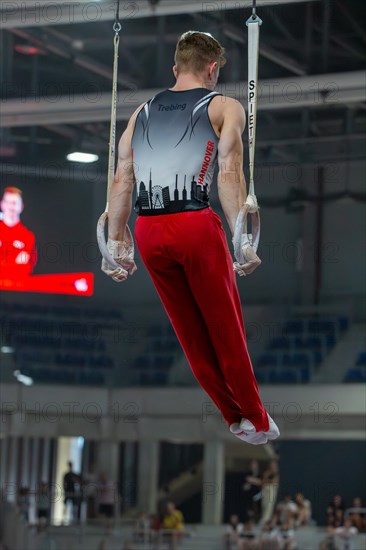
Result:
x=253 y=24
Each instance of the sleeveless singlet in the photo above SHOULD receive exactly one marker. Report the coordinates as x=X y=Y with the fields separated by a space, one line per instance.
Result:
x=174 y=152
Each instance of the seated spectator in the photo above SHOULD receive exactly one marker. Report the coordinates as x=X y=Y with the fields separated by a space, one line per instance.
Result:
x=345 y=534
x=232 y=532
x=287 y=535
x=357 y=517
x=335 y=511
x=339 y=538
x=247 y=539
x=336 y=520
x=270 y=538
x=303 y=513
x=287 y=509
x=173 y=521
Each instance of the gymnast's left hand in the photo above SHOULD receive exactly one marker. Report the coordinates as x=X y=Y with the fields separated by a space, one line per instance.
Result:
x=248 y=260
x=123 y=254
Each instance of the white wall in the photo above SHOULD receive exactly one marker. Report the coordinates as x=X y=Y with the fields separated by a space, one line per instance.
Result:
x=324 y=411
x=344 y=234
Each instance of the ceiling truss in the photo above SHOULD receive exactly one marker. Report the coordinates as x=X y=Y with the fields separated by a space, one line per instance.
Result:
x=326 y=90
x=40 y=13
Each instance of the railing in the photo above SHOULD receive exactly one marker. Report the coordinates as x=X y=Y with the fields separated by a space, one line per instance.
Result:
x=150 y=539
x=15 y=533
x=354 y=511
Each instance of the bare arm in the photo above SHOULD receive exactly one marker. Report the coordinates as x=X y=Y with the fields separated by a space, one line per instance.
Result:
x=120 y=196
x=231 y=180
x=254 y=480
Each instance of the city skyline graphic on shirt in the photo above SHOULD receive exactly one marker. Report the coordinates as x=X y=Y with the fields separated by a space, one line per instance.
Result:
x=156 y=197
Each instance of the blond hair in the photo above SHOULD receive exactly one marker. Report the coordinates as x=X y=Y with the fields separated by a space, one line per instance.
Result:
x=195 y=49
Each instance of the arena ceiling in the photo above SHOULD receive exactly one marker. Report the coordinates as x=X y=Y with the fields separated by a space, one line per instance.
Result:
x=57 y=67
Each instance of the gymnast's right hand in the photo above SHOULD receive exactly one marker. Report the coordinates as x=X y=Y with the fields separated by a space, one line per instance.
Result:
x=122 y=253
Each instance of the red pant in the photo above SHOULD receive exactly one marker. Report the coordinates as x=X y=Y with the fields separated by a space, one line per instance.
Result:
x=189 y=261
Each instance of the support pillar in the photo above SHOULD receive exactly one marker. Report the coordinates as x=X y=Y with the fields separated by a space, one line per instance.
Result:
x=12 y=470
x=147 y=476
x=213 y=482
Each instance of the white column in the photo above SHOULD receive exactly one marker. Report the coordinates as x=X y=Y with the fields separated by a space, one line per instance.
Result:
x=147 y=476
x=13 y=469
x=213 y=482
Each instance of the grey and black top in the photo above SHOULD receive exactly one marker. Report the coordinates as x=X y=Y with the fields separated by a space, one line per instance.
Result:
x=174 y=152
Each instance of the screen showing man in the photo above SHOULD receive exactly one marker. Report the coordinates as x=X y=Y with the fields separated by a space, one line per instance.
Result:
x=17 y=243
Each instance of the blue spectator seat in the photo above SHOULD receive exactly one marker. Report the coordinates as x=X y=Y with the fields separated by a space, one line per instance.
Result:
x=281 y=343
x=361 y=360
x=142 y=362
x=295 y=360
x=283 y=376
x=356 y=375
x=268 y=360
x=294 y=327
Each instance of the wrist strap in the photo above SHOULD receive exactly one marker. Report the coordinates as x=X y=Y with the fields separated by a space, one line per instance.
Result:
x=253 y=24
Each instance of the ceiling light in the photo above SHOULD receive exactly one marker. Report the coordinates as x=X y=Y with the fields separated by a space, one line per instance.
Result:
x=82 y=157
x=22 y=378
x=6 y=349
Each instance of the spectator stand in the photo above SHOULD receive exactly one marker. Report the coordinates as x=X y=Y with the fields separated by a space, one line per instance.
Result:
x=297 y=353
